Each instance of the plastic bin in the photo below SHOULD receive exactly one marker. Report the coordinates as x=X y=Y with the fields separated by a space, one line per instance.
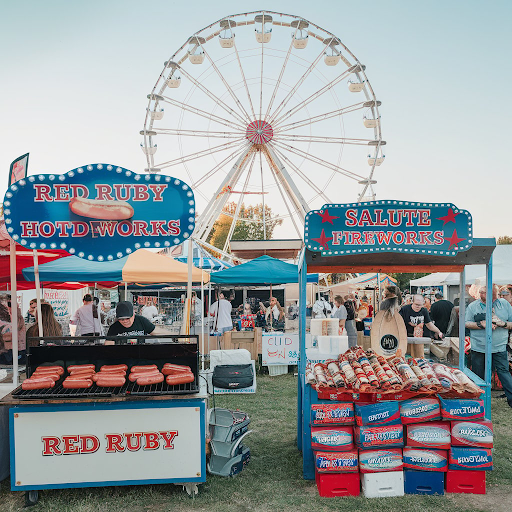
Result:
x=470 y=482
x=277 y=369
x=383 y=485
x=423 y=482
x=227 y=426
x=331 y=485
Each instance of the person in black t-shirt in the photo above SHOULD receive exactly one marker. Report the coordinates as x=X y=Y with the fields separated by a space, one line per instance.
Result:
x=440 y=312
x=416 y=314
x=128 y=324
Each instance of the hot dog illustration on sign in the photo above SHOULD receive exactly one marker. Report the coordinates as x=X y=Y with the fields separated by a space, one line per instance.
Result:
x=99 y=212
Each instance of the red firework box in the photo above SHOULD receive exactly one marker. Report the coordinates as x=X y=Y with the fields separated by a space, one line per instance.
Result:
x=379 y=436
x=382 y=413
x=336 y=439
x=332 y=414
x=462 y=409
x=337 y=462
x=419 y=410
x=478 y=434
x=434 y=434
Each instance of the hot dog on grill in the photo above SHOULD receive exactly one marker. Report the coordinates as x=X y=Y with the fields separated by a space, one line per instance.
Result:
x=99 y=375
x=51 y=369
x=136 y=375
x=77 y=383
x=147 y=380
x=173 y=366
x=37 y=384
x=73 y=367
x=113 y=368
x=166 y=370
x=86 y=371
x=143 y=368
x=180 y=378
x=111 y=381
x=101 y=209
x=37 y=375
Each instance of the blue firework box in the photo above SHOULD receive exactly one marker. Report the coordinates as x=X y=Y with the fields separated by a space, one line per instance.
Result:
x=419 y=410
x=472 y=433
x=455 y=409
x=372 y=436
x=472 y=459
x=382 y=413
x=328 y=438
x=377 y=461
x=332 y=414
x=422 y=459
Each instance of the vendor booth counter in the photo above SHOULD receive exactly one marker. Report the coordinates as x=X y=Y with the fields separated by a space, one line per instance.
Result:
x=131 y=435
x=479 y=253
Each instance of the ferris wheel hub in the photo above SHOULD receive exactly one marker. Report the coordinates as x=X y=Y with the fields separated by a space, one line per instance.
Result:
x=259 y=132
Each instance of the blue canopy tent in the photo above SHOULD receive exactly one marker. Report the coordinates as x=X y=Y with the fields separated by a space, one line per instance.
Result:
x=261 y=271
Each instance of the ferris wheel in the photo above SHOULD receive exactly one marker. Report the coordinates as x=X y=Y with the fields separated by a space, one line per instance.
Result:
x=264 y=108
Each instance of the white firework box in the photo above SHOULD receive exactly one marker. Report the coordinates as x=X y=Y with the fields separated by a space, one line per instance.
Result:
x=383 y=485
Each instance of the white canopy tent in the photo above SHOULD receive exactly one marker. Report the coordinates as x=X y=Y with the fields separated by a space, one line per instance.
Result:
x=368 y=280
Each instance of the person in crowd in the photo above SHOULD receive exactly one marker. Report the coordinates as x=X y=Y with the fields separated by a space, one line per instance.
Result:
x=417 y=319
x=149 y=311
x=392 y=300
x=274 y=315
x=221 y=312
x=87 y=319
x=506 y=293
x=31 y=313
x=321 y=308
x=427 y=303
x=129 y=324
x=247 y=318
x=49 y=323
x=260 y=315
x=6 y=332
x=440 y=312
x=352 y=324
x=501 y=323
x=340 y=313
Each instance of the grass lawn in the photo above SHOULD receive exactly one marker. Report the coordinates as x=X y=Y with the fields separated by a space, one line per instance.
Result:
x=273 y=478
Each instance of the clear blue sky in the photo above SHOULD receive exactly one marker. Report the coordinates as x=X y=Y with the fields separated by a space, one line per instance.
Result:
x=75 y=77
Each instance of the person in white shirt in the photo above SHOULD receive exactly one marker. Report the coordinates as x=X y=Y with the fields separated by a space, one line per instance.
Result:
x=321 y=308
x=87 y=319
x=221 y=312
x=150 y=311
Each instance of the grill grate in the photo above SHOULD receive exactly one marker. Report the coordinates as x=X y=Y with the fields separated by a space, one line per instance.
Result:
x=162 y=389
x=60 y=392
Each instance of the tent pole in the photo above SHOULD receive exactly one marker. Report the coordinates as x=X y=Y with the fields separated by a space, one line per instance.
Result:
x=125 y=291
x=14 y=308
x=271 y=312
x=187 y=312
x=209 y=306
x=38 y=294
x=202 y=308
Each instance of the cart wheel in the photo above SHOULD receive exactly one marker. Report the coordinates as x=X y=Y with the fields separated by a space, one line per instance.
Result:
x=191 y=489
x=31 y=498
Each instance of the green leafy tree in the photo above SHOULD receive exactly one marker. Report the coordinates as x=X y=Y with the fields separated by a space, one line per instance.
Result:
x=250 y=228
x=403 y=280
x=505 y=240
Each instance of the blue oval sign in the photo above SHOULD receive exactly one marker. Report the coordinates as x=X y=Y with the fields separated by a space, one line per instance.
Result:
x=99 y=212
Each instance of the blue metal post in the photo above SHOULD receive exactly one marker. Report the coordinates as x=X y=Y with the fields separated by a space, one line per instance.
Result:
x=462 y=320
x=303 y=274
x=488 y=339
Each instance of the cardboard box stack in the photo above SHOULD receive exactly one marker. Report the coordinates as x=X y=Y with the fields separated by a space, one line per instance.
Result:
x=417 y=446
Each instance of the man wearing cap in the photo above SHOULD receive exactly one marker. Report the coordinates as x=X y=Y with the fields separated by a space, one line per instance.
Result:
x=501 y=323
x=128 y=324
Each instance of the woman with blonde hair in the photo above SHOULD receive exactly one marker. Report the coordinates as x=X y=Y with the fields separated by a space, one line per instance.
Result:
x=50 y=326
x=6 y=332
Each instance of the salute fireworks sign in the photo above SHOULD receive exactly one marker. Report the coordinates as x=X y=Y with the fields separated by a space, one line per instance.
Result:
x=99 y=212
x=385 y=226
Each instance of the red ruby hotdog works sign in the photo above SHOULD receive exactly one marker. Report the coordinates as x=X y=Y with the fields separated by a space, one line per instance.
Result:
x=99 y=212
x=68 y=446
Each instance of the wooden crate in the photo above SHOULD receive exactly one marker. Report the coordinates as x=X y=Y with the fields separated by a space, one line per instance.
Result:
x=250 y=340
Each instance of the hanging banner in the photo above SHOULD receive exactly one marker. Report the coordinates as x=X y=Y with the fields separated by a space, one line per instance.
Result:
x=99 y=212
x=18 y=169
x=58 y=300
x=386 y=226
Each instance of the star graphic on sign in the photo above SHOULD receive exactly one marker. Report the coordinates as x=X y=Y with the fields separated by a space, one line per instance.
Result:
x=326 y=217
x=323 y=240
x=449 y=217
x=454 y=239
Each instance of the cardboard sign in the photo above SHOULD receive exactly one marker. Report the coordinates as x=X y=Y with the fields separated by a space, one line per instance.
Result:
x=99 y=212
x=386 y=226
x=279 y=348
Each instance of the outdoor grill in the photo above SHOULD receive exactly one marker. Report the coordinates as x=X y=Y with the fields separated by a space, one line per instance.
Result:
x=131 y=355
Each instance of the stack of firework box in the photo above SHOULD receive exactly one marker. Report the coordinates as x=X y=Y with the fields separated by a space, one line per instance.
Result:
x=417 y=446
